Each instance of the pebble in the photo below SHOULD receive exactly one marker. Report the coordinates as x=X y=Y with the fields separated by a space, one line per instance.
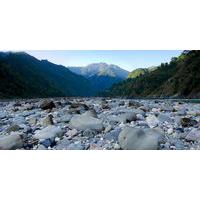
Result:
x=99 y=123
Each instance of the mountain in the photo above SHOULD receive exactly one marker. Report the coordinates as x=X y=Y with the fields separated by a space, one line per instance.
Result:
x=178 y=78
x=140 y=71
x=24 y=76
x=101 y=75
x=137 y=72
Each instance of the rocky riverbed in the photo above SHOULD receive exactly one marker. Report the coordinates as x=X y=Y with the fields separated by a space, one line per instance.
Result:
x=98 y=124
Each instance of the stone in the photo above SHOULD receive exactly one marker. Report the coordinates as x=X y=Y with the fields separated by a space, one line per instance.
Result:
x=139 y=139
x=63 y=144
x=48 y=120
x=11 y=142
x=152 y=121
x=47 y=104
x=170 y=131
x=46 y=143
x=133 y=103
x=91 y=113
x=2 y=115
x=164 y=118
x=50 y=132
x=13 y=128
x=123 y=118
x=186 y=122
x=75 y=146
x=72 y=133
x=41 y=147
x=84 y=122
x=89 y=133
x=194 y=135
x=33 y=121
x=65 y=118
x=113 y=135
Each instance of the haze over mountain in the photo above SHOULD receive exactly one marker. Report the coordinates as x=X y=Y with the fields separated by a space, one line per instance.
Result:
x=101 y=75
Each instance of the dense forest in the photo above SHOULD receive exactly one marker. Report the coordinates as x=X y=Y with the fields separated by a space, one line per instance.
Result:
x=180 y=78
x=23 y=76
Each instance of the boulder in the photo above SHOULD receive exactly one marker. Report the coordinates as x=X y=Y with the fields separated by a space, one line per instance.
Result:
x=50 y=132
x=123 y=118
x=152 y=121
x=11 y=142
x=139 y=139
x=48 y=120
x=194 y=135
x=84 y=122
x=164 y=118
x=13 y=128
x=186 y=122
x=47 y=104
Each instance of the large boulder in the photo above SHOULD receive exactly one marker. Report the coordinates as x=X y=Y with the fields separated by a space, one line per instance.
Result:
x=139 y=139
x=11 y=142
x=50 y=132
x=86 y=121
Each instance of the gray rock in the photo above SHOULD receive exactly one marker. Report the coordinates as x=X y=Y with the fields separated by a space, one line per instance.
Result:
x=152 y=121
x=186 y=122
x=84 y=122
x=63 y=144
x=139 y=139
x=113 y=135
x=50 y=132
x=47 y=104
x=11 y=142
x=48 y=120
x=13 y=128
x=2 y=115
x=164 y=118
x=194 y=135
x=75 y=146
x=65 y=118
x=41 y=147
x=123 y=118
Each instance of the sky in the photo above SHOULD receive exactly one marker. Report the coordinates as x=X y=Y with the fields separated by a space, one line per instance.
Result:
x=126 y=59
